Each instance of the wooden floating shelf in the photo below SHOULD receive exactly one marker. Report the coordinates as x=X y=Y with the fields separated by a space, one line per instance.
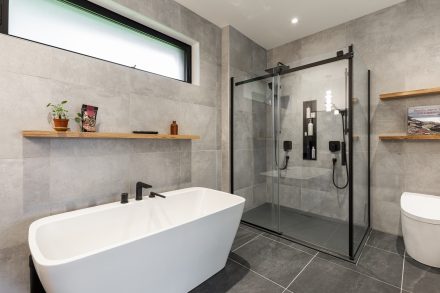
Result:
x=409 y=137
x=98 y=135
x=410 y=94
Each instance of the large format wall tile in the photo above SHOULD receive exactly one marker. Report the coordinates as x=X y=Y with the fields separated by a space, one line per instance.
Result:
x=14 y=273
x=201 y=120
x=76 y=177
x=204 y=174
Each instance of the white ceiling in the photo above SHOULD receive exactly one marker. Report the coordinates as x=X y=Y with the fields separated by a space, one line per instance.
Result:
x=268 y=22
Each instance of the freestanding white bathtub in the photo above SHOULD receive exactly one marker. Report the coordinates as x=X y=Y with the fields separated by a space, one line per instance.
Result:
x=155 y=245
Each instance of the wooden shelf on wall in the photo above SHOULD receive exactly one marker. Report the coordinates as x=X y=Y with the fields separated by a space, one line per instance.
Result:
x=410 y=94
x=409 y=137
x=101 y=135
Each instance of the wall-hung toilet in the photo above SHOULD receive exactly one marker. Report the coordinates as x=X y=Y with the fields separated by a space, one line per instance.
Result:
x=421 y=227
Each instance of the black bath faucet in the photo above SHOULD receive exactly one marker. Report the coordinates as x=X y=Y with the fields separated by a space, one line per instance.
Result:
x=139 y=187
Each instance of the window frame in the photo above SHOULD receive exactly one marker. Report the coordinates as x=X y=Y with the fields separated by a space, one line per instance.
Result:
x=115 y=17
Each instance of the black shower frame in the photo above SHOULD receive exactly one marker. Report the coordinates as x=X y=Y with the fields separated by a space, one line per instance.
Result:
x=117 y=18
x=352 y=253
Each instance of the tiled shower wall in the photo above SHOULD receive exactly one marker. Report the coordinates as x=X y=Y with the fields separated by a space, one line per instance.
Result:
x=308 y=185
x=40 y=177
x=401 y=46
x=243 y=59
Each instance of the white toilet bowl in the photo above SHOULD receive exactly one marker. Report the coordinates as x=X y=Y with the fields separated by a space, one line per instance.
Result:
x=421 y=227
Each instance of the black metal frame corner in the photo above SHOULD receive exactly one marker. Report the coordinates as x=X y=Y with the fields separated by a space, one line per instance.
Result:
x=231 y=135
x=350 y=154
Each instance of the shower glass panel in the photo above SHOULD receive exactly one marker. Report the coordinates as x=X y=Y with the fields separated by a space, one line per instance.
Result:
x=255 y=176
x=361 y=141
x=300 y=151
x=313 y=209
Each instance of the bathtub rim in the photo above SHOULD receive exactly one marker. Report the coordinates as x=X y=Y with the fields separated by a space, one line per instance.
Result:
x=39 y=258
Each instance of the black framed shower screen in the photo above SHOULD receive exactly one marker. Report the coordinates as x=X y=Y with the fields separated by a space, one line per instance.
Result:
x=353 y=250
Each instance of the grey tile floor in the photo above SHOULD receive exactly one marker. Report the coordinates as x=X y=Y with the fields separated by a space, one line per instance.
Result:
x=260 y=262
x=318 y=230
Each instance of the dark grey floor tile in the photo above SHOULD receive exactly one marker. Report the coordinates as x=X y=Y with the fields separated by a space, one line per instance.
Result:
x=242 y=236
x=307 y=227
x=386 y=242
x=313 y=230
x=326 y=277
x=264 y=215
x=291 y=243
x=382 y=265
x=376 y=263
x=339 y=239
x=419 y=278
x=235 y=278
x=271 y=259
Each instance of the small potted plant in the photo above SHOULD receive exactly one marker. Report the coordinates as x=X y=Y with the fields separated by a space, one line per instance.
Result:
x=60 y=116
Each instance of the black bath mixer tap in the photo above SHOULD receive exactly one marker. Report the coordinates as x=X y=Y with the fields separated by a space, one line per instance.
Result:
x=139 y=187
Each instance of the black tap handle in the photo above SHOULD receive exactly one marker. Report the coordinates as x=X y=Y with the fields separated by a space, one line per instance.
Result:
x=154 y=194
x=124 y=198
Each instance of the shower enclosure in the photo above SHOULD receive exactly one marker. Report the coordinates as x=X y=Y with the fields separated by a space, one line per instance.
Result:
x=300 y=145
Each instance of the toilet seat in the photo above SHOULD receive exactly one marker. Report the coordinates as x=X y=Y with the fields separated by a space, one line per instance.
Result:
x=421 y=207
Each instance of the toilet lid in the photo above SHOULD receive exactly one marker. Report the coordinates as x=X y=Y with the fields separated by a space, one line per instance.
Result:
x=421 y=207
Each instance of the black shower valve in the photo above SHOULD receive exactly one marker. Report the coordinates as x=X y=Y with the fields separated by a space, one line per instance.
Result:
x=287 y=145
x=334 y=146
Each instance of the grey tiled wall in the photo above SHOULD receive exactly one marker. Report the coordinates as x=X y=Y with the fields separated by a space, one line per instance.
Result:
x=401 y=45
x=242 y=58
x=40 y=177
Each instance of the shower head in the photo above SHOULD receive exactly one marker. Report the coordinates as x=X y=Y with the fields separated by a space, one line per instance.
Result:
x=342 y=112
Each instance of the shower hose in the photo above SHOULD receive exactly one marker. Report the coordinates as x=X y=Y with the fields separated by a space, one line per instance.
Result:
x=344 y=129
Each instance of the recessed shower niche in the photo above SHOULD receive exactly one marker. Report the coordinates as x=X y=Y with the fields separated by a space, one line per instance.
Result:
x=310 y=130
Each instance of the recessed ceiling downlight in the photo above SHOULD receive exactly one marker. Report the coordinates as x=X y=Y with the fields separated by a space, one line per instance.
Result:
x=295 y=20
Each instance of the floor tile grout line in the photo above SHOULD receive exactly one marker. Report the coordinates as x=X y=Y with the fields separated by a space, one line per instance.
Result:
x=262 y=235
x=247 y=242
x=258 y=274
x=365 y=244
x=290 y=284
x=384 y=250
x=360 y=273
x=403 y=271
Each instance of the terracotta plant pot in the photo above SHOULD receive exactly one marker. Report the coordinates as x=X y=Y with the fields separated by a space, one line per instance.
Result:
x=60 y=123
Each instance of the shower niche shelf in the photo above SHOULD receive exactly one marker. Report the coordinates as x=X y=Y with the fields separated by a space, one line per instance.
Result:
x=403 y=137
x=410 y=94
x=103 y=135
x=310 y=129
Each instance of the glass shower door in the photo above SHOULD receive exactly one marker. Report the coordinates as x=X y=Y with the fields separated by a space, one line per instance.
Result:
x=255 y=141
x=313 y=187
x=300 y=151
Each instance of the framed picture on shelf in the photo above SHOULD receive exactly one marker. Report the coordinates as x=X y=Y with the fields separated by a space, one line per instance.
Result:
x=424 y=120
